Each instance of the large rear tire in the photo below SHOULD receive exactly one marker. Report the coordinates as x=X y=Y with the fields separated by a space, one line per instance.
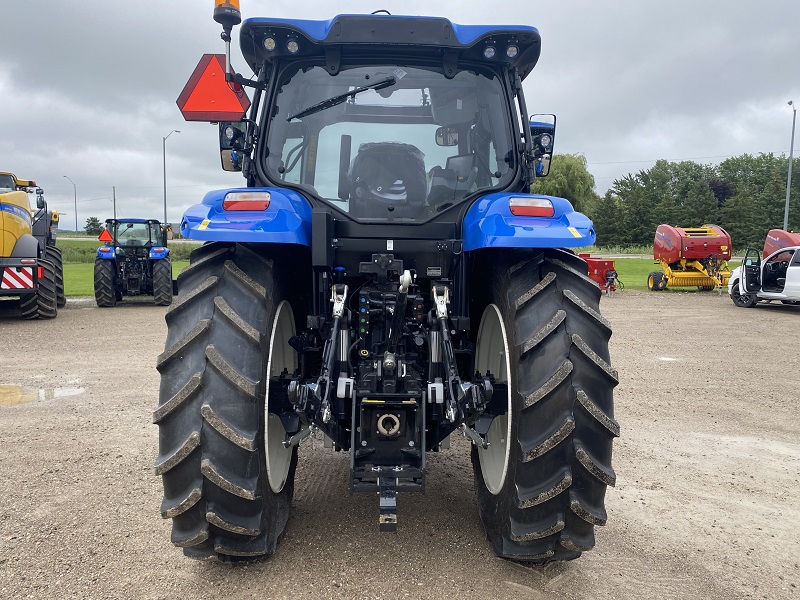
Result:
x=44 y=303
x=228 y=480
x=162 y=282
x=541 y=483
x=53 y=254
x=104 y=272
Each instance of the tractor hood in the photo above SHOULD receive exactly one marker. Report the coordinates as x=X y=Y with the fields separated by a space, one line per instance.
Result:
x=349 y=36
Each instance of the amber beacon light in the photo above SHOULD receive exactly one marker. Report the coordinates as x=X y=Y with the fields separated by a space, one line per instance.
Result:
x=226 y=13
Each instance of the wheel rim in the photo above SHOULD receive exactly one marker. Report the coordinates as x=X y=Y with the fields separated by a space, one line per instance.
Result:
x=650 y=283
x=281 y=356
x=491 y=355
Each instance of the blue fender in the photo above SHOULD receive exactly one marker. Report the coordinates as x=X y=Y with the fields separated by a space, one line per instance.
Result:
x=158 y=252
x=490 y=224
x=106 y=252
x=287 y=219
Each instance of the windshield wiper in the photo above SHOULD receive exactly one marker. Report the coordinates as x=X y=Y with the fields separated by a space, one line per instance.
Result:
x=336 y=100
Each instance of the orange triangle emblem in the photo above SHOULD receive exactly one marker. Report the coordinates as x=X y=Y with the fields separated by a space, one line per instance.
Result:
x=105 y=236
x=208 y=97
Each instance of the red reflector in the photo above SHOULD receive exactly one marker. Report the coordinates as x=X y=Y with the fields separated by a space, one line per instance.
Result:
x=28 y=261
x=531 y=207
x=246 y=201
x=40 y=273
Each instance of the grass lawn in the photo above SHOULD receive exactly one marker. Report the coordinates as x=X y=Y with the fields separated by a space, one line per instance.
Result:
x=633 y=272
x=79 y=277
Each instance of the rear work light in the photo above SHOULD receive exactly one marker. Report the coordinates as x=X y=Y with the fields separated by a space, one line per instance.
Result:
x=531 y=207
x=246 y=201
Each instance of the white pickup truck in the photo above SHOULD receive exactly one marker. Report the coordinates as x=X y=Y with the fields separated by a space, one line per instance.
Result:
x=776 y=277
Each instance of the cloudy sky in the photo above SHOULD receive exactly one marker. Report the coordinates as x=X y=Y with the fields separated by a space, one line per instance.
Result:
x=88 y=88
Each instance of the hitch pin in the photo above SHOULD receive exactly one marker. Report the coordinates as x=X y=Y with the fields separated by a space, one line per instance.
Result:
x=473 y=435
x=297 y=437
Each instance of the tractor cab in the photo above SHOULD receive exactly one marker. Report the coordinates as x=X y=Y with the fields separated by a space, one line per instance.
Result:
x=135 y=233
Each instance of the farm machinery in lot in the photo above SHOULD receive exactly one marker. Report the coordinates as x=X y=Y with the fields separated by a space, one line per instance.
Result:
x=603 y=273
x=691 y=257
x=776 y=277
x=384 y=279
x=133 y=261
x=30 y=263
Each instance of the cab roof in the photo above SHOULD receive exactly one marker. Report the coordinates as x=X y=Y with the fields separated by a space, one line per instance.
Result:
x=393 y=37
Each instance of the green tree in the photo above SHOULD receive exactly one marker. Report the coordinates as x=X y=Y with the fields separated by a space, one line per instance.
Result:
x=569 y=178
x=607 y=218
x=93 y=226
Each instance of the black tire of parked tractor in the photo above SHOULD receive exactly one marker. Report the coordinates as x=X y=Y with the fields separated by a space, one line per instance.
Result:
x=53 y=254
x=43 y=304
x=211 y=414
x=104 y=273
x=162 y=282
x=562 y=424
x=742 y=300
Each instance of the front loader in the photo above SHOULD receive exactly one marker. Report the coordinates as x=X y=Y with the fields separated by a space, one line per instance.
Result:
x=384 y=278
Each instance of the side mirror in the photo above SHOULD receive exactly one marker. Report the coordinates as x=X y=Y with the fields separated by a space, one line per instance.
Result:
x=231 y=160
x=40 y=198
x=231 y=144
x=447 y=136
x=543 y=135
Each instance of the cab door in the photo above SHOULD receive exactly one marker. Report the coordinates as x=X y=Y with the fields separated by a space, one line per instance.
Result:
x=792 y=288
x=751 y=272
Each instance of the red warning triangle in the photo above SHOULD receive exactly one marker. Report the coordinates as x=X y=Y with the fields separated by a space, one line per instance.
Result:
x=105 y=236
x=208 y=97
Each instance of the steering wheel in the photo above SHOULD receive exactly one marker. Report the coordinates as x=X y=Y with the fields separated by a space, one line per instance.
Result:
x=784 y=265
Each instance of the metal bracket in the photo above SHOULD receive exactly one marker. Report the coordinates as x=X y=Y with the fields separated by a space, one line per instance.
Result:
x=441 y=301
x=474 y=436
x=338 y=299
x=387 y=521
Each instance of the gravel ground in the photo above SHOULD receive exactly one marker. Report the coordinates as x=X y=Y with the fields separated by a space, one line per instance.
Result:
x=706 y=503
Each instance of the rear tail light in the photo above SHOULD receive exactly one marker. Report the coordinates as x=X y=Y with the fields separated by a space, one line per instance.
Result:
x=246 y=201
x=28 y=261
x=531 y=207
x=159 y=249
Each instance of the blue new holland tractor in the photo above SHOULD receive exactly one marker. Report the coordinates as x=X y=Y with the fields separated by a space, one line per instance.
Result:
x=384 y=279
x=133 y=261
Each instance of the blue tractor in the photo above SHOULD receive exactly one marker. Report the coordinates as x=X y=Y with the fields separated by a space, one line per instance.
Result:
x=384 y=279
x=133 y=261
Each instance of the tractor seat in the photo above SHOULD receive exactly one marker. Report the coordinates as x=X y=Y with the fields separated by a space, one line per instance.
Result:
x=387 y=177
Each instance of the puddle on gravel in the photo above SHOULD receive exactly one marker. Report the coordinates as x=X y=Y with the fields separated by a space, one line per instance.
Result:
x=11 y=395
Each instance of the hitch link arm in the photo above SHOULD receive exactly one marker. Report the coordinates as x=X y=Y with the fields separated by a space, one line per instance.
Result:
x=441 y=295
x=323 y=385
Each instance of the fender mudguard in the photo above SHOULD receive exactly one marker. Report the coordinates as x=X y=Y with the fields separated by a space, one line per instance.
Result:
x=27 y=246
x=158 y=252
x=105 y=252
x=490 y=224
x=287 y=219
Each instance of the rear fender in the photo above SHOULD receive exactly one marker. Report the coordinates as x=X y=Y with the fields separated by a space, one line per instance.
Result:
x=490 y=224
x=158 y=252
x=105 y=252
x=287 y=219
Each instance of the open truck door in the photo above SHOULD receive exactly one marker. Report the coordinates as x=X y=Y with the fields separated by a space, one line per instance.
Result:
x=750 y=283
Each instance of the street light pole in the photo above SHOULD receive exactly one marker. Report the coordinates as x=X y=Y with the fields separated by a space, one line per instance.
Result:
x=789 y=177
x=75 y=191
x=164 y=157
